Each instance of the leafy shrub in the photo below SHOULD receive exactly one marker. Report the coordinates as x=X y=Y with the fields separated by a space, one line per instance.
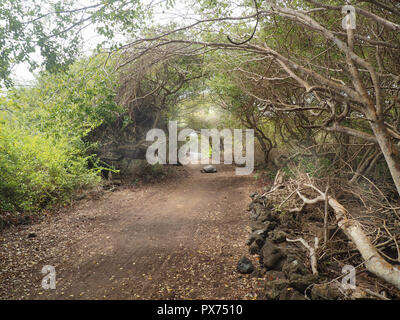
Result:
x=152 y=172
x=320 y=167
x=43 y=156
x=38 y=171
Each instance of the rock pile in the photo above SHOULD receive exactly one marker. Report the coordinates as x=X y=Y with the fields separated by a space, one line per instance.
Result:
x=286 y=277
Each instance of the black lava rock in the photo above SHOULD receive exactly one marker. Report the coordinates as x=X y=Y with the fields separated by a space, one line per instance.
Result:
x=208 y=169
x=245 y=266
x=271 y=256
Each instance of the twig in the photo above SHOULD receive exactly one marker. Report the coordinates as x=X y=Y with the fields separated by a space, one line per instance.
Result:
x=352 y=228
x=394 y=239
x=375 y=294
x=313 y=256
x=287 y=198
x=326 y=215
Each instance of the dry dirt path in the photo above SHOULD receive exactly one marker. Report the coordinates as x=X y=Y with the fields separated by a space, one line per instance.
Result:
x=180 y=239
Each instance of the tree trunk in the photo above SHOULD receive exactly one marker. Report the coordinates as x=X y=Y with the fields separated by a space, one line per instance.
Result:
x=389 y=151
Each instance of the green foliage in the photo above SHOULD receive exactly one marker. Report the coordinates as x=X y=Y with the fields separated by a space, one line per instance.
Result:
x=68 y=104
x=317 y=168
x=52 y=29
x=43 y=155
x=38 y=171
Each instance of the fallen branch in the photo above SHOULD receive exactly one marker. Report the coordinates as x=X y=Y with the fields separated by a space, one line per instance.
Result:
x=352 y=228
x=278 y=183
x=313 y=256
x=375 y=294
x=326 y=215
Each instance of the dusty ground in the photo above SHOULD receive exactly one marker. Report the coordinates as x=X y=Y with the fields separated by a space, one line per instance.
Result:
x=179 y=239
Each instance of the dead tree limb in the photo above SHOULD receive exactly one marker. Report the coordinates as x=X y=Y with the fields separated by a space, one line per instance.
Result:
x=278 y=182
x=312 y=251
x=352 y=228
x=326 y=215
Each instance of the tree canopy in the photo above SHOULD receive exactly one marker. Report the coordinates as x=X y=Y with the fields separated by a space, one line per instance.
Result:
x=317 y=81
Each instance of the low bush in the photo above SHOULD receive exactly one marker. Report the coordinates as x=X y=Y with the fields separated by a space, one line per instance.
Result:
x=38 y=171
x=44 y=158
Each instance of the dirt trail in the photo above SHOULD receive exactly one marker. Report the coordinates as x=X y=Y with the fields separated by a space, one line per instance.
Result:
x=176 y=240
